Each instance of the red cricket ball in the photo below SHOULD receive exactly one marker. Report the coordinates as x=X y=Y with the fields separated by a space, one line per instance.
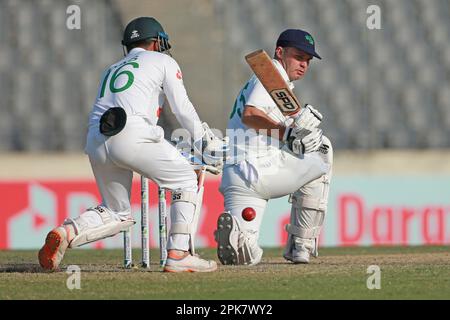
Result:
x=248 y=214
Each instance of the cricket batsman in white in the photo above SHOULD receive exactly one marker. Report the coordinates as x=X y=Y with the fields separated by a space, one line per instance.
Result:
x=124 y=137
x=275 y=156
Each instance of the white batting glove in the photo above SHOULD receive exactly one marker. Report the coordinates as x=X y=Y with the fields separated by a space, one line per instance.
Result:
x=303 y=141
x=308 y=118
x=314 y=111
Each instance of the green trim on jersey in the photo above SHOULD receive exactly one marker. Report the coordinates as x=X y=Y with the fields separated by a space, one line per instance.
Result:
x=241 y=98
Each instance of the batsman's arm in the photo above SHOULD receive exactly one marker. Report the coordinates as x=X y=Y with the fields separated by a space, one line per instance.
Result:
x=257 y=119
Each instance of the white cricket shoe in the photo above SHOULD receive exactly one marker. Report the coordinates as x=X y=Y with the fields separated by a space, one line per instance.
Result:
x=234 y=246
x=55 y=246
x=301 y=251
x=188 y=263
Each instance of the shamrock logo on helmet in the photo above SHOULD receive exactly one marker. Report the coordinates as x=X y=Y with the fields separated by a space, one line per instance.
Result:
x=310 y=39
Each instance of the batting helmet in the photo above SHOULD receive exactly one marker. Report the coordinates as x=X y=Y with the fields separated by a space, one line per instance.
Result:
x=145 y=28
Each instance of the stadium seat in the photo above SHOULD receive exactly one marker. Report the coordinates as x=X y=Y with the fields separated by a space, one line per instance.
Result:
x=50 y=70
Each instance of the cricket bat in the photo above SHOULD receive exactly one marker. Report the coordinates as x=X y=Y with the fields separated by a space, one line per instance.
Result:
x=266 y=71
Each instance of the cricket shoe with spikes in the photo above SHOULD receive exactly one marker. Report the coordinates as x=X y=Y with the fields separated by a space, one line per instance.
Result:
x=178 y=261
x=55 y=246
x=234 y=246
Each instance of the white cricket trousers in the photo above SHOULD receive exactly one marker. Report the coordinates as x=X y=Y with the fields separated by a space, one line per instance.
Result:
x=140 y=147
x=251 y=183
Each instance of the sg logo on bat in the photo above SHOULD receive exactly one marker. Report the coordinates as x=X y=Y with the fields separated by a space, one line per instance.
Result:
x=287 y=102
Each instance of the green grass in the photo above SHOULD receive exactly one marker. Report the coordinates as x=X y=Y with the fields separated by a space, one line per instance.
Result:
x=339 y=273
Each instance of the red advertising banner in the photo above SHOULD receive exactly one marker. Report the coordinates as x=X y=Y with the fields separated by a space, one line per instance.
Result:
x=32 y=208
x=361 y=212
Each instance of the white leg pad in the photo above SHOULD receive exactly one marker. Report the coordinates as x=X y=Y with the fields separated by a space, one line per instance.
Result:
x=109 y=227
x=188 y=228
x=309 y=205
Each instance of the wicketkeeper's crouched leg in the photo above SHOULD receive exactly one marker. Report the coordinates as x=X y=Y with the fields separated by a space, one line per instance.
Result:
x=161 y=162
x=93 y=225
x=185 y=213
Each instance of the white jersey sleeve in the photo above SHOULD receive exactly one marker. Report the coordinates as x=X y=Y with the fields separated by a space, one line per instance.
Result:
x=178 y=99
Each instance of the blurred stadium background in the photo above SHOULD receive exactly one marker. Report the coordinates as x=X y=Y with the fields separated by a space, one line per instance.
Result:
x=385 y=95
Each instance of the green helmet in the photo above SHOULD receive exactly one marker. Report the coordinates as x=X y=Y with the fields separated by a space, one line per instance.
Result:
x=145 y=28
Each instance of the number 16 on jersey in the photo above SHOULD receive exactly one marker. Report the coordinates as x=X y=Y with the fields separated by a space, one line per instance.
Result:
x=117 y=82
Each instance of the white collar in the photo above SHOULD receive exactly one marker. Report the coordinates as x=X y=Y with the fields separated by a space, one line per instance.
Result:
x=136 y=50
